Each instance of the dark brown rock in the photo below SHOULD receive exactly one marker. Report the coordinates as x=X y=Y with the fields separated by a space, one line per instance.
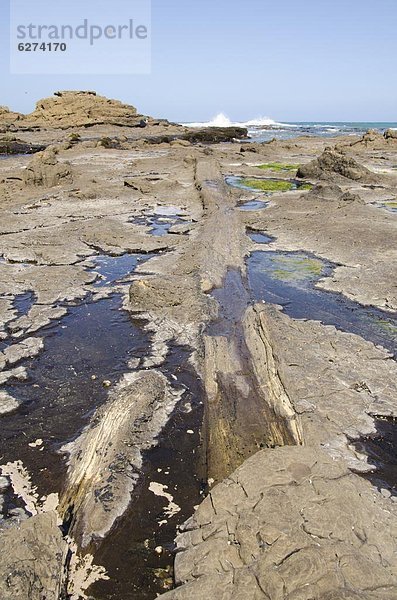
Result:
x=215 y=135
x=13 y=145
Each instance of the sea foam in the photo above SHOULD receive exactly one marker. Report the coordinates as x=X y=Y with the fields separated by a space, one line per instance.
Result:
x=222 y=120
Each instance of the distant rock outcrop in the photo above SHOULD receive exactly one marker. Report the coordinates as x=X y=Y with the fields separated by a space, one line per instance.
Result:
x=7 y=117
x=332 y=163
x=72 y=109
x=372 y=135
x=216 y=135
x=81 y=109
x=184 y=136
x=375 y=139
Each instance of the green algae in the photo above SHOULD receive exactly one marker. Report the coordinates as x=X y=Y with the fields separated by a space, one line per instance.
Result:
x=306 y=186
x=278 y=167
x=74 y=137
x=268 y=185
x=388 y=327
x=292 y=268
x=390 y=205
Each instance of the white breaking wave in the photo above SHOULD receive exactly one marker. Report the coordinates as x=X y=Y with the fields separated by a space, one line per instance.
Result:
x=222 y=120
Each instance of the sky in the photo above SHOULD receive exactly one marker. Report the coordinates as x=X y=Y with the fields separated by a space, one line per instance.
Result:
x=312 y=60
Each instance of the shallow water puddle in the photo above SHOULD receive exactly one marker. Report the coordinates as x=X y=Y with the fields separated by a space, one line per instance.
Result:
x=159 y=225
x=289 y=278
x=161 y=219
x=65 y=384
x=85 y=354
x=260 y=237
x=85 y=351
x=23 y=303
x=254 y=204
x=113 y=269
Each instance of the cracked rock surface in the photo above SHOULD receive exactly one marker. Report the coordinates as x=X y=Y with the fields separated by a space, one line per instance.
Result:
x=291 y=513
x=289 y=524
x=297 y=522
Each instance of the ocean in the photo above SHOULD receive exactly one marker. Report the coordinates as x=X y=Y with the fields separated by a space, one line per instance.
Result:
x=265 y=129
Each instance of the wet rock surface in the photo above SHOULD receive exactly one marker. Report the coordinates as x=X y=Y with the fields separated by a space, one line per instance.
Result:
x=10 y=145
x=140 y=369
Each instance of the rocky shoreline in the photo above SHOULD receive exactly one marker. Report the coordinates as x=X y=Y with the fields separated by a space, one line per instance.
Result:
x=284 y=502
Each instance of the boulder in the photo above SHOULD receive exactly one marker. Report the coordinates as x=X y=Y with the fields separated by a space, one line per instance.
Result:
x=324 y=191
x=333 y=163
x=330 y=192
x=8 y=116
x=390 y=134
x=45 y=170
x=81 y=109
x=372 y=135
x=375 y=140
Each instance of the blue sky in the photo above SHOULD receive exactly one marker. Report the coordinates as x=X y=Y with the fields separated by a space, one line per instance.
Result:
x=313 y=60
